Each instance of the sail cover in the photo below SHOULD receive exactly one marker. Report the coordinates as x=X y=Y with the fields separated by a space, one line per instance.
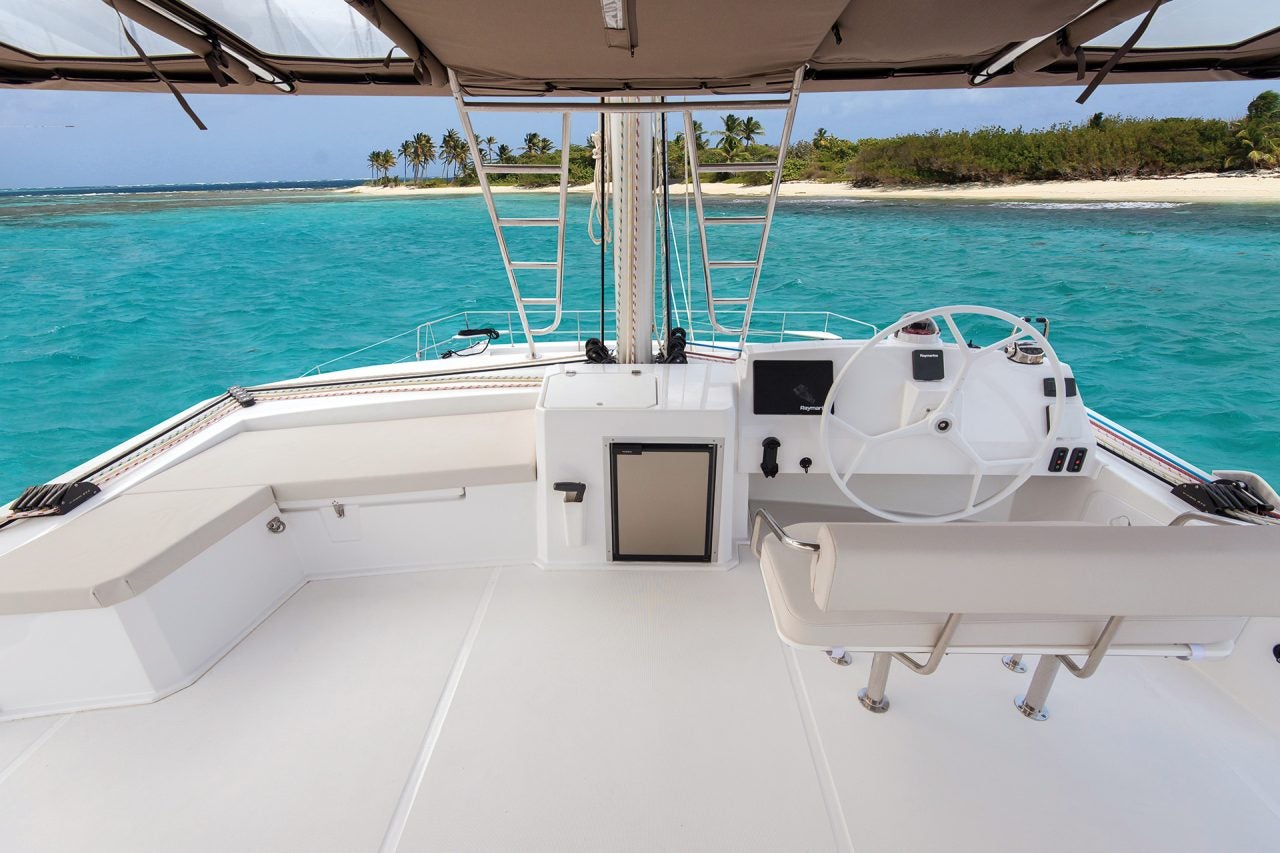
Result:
x=598 y=47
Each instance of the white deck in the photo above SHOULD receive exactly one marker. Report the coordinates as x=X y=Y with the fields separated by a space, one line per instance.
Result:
x=513 y=708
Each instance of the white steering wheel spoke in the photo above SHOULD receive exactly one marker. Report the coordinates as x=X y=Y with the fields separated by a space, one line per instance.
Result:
x=848 y=427
x=852 y=467
x=998 y=345
x=973 y=490
x=961 y=345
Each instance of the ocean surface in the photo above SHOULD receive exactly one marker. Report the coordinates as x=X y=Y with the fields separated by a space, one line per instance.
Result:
x=123 y=307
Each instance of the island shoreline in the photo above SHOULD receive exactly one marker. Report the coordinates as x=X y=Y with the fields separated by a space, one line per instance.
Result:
x=1239 y=187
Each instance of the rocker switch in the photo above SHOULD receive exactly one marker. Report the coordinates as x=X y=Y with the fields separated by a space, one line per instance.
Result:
x=1077 y=460
x=1057 y=460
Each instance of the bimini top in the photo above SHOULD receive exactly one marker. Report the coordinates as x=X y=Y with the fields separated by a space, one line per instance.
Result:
x=595 y=47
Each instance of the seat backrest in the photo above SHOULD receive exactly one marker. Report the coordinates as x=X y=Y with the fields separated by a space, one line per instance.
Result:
x=1030 y=568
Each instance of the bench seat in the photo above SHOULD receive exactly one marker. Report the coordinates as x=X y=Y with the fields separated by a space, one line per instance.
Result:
x=371 y=458
x=122 y=548
x=1019 y=586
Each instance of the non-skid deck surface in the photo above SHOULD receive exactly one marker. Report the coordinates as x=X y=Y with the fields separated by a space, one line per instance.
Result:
x=514 y=709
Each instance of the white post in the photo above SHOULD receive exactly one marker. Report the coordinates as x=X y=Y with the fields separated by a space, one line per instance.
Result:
x=633 y=233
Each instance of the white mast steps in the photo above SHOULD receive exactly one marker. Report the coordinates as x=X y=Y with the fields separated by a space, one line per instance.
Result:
x=483 y=171
x=631 y=127
x=764 y=220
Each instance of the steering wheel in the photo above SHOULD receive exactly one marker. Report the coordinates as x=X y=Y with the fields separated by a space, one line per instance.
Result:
x=939 y=422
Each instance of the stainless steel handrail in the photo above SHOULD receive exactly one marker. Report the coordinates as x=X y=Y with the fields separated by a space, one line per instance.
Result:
x=428 y=344
x=763 y=518
x=1192 y=515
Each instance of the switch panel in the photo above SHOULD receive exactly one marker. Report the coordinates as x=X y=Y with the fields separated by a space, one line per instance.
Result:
x=1058 y=460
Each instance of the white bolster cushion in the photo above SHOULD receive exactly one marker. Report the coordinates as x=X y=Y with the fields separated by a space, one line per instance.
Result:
x=383 y=457
x=1196 y=570
x=122 y=548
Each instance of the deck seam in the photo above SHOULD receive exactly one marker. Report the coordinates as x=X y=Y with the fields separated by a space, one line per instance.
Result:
x=33 y=747
x=818 y=754
x=409 y=793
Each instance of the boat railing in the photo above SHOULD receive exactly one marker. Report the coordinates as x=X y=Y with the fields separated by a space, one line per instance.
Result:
x=431 y=340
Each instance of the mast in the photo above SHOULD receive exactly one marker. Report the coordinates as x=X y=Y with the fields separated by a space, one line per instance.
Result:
x=631 y=155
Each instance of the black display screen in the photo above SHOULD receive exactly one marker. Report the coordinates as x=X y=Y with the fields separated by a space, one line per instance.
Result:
x=790 y=387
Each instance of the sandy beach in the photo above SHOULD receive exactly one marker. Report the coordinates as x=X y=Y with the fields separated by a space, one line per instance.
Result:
x=1207 y=187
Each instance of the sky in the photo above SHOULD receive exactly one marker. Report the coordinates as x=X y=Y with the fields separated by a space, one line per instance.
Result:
x=69 y=139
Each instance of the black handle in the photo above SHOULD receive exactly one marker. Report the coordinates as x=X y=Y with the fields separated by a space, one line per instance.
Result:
x=769 y=464
x=573 y=492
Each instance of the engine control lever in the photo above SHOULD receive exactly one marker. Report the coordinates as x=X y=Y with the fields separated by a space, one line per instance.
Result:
x=769 y=464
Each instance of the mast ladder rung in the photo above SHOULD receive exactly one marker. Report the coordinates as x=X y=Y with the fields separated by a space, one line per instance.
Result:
x=735 y=220
x=767 y=166
x=483 y=171
x=526 y=221
x=697 y=170
x=520 y=169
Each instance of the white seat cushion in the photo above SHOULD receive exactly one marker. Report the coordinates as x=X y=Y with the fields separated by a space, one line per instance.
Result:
x=912 y=617
x=122 y=548
x=1202 y=570
x=382 y=457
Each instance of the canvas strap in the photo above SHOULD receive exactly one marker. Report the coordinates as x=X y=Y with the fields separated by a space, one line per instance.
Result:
x=1118 y=55
x=182 y=102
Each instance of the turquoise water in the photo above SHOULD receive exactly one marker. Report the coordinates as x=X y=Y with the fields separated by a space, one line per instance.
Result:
x=122 y=309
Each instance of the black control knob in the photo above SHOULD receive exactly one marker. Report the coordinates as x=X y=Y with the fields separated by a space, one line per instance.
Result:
x=769 y=464
x=806 y=463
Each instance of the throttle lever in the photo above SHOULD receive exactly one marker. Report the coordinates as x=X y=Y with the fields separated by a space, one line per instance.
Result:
x=769 y=464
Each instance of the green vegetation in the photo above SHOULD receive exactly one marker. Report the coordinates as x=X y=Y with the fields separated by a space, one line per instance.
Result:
x=1257 y=135
x=1102 y=147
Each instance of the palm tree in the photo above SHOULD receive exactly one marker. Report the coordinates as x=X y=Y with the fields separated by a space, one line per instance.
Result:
x=453 y=151
x=699 y=136
x=532 y=142
x=698 y=133
x=1265 y=107
x=382 y=161
x=424 y=151
x=1258 y=134
x=1259 y=146
x=750 y=130
x=821 y=138
x=504 y=153
x=406 y=156
x=545 y=145
x=731 y=135
x=487 y=145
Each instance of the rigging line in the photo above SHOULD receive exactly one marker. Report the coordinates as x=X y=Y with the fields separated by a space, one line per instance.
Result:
x=604 y=167
x=666 y=226
x=684 y=286
x=687 y=284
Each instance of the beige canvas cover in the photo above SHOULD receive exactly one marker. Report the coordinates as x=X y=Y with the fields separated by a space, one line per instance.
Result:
x=667 y=47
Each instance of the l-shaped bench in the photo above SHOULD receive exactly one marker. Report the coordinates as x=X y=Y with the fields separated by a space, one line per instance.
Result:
x=136 y=596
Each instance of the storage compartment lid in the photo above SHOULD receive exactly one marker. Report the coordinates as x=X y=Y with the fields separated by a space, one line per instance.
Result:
x=613 y=388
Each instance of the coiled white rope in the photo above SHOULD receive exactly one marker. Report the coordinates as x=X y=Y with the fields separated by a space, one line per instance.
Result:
x=599 y=181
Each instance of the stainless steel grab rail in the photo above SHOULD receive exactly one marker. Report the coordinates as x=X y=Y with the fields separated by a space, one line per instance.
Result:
x=1192 y=515
x=761 y=519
